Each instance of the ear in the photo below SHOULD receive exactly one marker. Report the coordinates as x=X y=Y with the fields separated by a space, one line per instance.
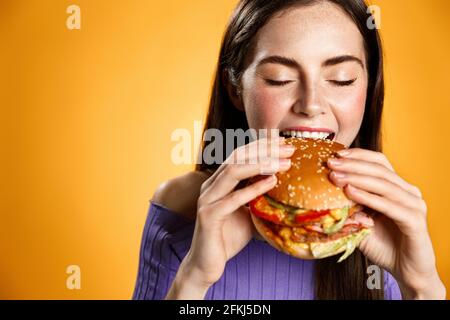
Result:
x=233 y=92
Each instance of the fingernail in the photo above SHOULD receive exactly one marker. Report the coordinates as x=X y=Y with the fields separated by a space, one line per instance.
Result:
x=338 y=175
x=335 y=162
x=344 y=152
x=288 y=147
x=285 y=163
x=271 y=179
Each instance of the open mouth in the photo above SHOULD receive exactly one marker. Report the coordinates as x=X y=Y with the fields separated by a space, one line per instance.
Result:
x=308 y=134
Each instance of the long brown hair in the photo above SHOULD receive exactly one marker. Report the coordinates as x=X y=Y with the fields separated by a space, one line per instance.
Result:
x=346 y=280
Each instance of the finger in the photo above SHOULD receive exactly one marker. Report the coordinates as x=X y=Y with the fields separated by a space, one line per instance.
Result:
x=237 y=199
x=229 y=178
x=249 y=154
x=232 y=159
x=367 y=155
x=371 y=169
x=379 y=158
x=376 y=185
x=403 y=218
x=262 y=148
x=362 y=218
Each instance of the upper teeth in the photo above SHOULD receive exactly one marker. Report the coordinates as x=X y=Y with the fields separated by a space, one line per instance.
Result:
x=306 y=134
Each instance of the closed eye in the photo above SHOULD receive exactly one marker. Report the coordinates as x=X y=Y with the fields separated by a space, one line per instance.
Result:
x=277 y=83
x=342 y=83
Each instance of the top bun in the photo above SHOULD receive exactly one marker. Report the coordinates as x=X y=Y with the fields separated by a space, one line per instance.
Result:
x=306 y=184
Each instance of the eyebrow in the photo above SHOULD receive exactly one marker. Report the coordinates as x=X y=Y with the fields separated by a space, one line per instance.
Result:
x=289 y=62
x=292 y=63
x=341 y=59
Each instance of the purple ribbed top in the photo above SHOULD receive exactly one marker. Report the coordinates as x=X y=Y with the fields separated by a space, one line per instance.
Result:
x=258 y=272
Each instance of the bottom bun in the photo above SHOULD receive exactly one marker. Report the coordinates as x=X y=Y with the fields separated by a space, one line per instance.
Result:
x=312 y=250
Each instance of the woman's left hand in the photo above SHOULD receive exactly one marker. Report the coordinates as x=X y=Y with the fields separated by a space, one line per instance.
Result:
x=399 y=242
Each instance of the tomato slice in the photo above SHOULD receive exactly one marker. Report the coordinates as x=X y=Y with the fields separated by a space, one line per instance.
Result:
x=262 y=209
x=311 y=215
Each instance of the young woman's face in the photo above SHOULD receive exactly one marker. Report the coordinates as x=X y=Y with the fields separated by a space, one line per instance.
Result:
x=307 y=71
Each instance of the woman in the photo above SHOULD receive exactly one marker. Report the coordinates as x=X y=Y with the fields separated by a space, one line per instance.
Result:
x=312 y=64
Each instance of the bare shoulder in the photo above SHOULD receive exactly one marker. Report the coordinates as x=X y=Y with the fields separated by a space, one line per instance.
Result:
x=180 y=194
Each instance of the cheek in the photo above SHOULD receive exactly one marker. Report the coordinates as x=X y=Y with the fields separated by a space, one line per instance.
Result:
x=264 y=108
x=349 y=112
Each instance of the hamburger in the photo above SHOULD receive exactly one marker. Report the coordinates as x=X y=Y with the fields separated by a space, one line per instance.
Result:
x=305 y=215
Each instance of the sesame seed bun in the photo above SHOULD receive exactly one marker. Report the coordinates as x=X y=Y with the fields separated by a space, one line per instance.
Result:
x=306 y=184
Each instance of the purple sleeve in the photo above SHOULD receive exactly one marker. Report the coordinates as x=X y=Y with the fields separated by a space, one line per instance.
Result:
x=391 y=288
x=165 y=241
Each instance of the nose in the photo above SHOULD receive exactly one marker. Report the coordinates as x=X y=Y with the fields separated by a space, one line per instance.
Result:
x=310 y=102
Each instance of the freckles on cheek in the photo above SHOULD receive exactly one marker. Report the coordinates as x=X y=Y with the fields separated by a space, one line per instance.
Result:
x=264 y=110
x=356 y=104
x=350 y=112
x=360 y=103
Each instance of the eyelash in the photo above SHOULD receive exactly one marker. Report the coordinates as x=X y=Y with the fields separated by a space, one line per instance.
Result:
x=277 y=83
x=335 y=82
x=342 y=83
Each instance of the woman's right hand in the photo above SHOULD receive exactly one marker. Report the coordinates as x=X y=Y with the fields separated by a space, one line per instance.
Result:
x=223 y=225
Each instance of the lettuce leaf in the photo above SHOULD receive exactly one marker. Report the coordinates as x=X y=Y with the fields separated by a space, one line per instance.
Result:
x=348 y=244
x=338 y=225
x=353 y=243
x=279 y=205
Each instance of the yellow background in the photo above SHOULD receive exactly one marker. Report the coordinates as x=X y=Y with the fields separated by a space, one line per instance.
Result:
x=87 y=117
